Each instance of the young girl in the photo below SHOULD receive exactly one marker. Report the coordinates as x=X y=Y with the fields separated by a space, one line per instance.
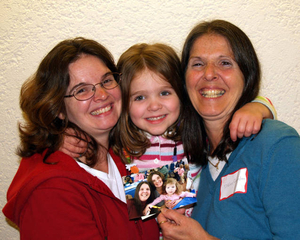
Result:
x=149 y=129
x=171 y=192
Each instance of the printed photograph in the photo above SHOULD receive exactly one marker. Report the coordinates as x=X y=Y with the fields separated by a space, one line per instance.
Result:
x=169 y=186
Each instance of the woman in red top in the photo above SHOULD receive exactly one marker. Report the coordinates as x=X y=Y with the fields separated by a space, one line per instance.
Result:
x=55 y=196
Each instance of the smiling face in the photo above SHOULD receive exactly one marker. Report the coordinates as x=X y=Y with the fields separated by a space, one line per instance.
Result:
x=214 y=80
x=170 y=188
x=144 y=192
x=157 y=181
x=99 y=114
x=154 y=105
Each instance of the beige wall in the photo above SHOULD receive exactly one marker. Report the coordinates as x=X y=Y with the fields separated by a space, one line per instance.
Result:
x=29 y=29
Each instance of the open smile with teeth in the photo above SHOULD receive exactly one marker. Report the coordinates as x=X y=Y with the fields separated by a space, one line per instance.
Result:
x=212 y=93
x=101 y=110
x=156 y=118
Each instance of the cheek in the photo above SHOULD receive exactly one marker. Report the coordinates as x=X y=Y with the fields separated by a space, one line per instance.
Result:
x=191 y=90
x=74 y=109
x=191 y=78
x=175 y=107
x=118 y=99
x=135 y=113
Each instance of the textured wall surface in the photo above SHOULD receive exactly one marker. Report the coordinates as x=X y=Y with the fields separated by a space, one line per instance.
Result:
x=29 y=29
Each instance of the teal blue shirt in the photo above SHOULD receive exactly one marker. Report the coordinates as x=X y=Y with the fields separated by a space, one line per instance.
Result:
x=257 y=194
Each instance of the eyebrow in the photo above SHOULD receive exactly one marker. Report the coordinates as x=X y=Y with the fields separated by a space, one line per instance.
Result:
x=81 y=84
x=143 y=91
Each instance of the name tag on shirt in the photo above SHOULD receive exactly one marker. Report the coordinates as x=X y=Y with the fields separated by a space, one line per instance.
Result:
x=234 y=183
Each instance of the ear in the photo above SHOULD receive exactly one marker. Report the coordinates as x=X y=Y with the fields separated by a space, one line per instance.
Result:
x=61 y=116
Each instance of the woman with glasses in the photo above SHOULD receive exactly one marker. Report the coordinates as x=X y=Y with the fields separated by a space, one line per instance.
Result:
x=55 y=196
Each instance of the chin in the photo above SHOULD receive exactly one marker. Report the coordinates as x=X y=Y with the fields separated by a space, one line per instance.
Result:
x=156 y=133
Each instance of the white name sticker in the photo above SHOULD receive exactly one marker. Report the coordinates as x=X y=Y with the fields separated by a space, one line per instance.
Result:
x=234 y=183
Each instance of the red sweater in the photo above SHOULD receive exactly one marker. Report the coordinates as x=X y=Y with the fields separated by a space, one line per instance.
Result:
x=63 y=201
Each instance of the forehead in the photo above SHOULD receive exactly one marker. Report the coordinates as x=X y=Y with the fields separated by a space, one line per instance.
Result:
x=87 y=68
x=144 y=185
x=208 y=44
x=170 y=184
x=155 y=176
x=148 y=76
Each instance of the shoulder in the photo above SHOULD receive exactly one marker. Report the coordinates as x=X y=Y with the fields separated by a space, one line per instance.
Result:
x=273 y=131
x=275 y=140
x=34 y=174
x=274 y=135
x=278 y=128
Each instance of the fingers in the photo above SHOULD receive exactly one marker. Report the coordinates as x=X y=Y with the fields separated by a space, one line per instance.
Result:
x=180 y=227
x=170 y=204
x=244 y=127
x=166 y=223
x=172 y=216
x=161 y=218
x=233 y=129
x=180 y=211
x=72 y=145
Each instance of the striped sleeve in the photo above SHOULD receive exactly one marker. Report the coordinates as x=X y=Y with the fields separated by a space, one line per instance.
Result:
x=267 y=102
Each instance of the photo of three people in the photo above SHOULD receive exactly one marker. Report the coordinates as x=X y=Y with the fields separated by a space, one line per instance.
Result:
x=168 y=186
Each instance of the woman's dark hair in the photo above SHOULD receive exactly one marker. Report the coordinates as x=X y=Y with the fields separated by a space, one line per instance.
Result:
x=162 y=60
x=138 y=204
x=42 y=98
x=194 y=136
x=149 y=178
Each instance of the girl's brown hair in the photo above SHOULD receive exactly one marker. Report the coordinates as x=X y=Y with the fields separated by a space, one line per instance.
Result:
x=162 y=60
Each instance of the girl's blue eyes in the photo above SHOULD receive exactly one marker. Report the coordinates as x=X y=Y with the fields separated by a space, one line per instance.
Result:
x=139 y=98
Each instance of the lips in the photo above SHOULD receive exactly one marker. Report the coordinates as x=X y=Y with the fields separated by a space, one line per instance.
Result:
x=156 y=118
x=212 y=93
x=101 y=110
x=144 y=194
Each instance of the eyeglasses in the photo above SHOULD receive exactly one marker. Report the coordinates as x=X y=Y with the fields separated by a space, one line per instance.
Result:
x=86 y=91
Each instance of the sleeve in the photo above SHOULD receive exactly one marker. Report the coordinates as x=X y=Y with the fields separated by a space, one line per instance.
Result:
x=157 y=200
x=186 y=194
x=267 y=102
x=279 y=188
x=60 y=212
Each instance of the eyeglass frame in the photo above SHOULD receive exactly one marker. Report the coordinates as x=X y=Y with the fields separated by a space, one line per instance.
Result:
x=94 y=86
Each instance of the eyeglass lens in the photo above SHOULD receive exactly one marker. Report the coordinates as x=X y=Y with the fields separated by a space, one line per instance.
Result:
x=87 y=91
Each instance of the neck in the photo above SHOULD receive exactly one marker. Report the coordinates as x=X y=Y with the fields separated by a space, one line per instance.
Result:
x=214 y=131
x=159 y=190
x=102 y=163
x=102 y=140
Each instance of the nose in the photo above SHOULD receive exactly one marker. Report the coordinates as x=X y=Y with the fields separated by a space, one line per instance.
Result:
x=210 y=73
x=154 y=105
x=100 y=93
